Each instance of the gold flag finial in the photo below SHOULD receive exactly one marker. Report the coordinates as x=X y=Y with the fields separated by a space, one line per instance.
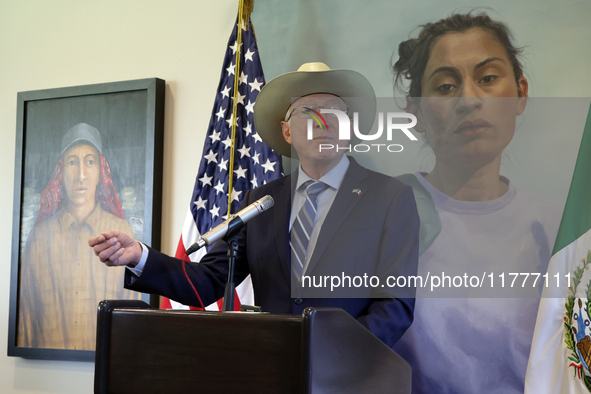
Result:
x=248 y=7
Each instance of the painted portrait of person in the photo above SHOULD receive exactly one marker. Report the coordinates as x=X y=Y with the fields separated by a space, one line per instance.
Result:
x=62 y=281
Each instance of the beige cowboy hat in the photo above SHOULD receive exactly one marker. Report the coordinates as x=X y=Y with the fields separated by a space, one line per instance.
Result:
x=276 y=97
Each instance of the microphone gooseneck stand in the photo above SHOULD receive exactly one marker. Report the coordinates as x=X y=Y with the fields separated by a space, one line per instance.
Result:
x=231 y=239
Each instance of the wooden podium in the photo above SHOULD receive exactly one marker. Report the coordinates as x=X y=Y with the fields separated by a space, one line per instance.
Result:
x=144 y=350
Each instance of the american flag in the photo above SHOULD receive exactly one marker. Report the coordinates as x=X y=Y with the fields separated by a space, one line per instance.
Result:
x=254 y=162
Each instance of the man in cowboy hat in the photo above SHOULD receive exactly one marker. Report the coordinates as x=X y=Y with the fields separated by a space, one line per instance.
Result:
x=342 y=216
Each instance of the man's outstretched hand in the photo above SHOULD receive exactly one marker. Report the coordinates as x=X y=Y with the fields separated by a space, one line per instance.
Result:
x=116 y=248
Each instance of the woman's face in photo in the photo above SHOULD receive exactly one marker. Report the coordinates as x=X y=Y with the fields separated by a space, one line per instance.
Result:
x=81 y=174
x=470 y=98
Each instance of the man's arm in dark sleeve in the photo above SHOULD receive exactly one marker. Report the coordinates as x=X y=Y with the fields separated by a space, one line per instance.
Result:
x=164 y=275
x=389 y=318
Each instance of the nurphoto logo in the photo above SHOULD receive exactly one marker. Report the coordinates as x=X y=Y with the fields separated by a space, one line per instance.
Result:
x=345 y=130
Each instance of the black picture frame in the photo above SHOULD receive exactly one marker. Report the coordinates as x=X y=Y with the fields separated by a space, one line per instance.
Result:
x=130 y=118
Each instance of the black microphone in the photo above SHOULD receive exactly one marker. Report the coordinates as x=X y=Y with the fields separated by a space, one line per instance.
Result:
x=233 y=223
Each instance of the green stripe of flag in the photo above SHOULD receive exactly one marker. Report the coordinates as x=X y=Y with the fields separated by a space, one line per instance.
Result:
x=576 y=219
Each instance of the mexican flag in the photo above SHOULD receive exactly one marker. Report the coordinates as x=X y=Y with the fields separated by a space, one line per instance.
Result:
x=560 y=358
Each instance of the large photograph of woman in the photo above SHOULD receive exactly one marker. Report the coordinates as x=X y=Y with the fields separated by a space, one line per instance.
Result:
x=467 y=88
x=492 y=166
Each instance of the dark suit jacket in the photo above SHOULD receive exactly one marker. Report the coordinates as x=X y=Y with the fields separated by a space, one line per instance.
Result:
x=373 y=232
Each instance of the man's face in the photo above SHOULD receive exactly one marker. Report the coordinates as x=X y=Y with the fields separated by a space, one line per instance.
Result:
x=81 y=174
x=295 y=131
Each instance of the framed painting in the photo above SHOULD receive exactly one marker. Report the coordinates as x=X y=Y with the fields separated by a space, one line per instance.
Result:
x=88 y=160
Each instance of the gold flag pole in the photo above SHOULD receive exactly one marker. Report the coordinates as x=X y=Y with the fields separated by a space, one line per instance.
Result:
x=245 y=7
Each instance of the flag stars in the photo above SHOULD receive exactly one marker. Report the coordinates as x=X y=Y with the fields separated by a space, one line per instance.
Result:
x=215 y=211
x=247 y=128
x=268 y=166
x=219 y=187
x=255 y=85
x=234 y=47
x=205 y=180
x=221 y=114
x=243 y=78
x=215 y=136
x=256 y=137
x=224 y=165
x=240 y=98
x=200 y=203
x=211 y=156
x=231 y=69
x=255 y=158
x=249 y=107
x=244 y=151
x=235 y=195
x=254 y=181
x=229 y=121
x=227 y=142
x=240 y=172
x=226 y=91
x=248 y=55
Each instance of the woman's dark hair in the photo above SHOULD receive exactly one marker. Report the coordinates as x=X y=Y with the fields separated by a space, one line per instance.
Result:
x=413 y=54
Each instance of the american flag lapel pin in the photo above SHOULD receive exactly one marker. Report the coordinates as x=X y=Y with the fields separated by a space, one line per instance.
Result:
x=357 y=191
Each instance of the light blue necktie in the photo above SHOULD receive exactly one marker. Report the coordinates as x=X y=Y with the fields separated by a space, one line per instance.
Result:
x=302 y=227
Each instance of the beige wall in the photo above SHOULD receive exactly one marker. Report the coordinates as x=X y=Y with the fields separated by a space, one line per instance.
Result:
x=57 y=43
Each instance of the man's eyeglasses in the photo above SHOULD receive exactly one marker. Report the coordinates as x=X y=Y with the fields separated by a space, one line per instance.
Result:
x=302 y=110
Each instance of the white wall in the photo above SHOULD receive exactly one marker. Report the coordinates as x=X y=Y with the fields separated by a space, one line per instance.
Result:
x=49 y=44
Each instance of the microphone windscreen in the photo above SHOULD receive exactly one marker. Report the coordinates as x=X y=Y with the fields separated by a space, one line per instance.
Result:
x=266 y=203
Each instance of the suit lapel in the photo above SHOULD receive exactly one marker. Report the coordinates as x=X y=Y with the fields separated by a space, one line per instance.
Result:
x=344 y=203
x=281 y=214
